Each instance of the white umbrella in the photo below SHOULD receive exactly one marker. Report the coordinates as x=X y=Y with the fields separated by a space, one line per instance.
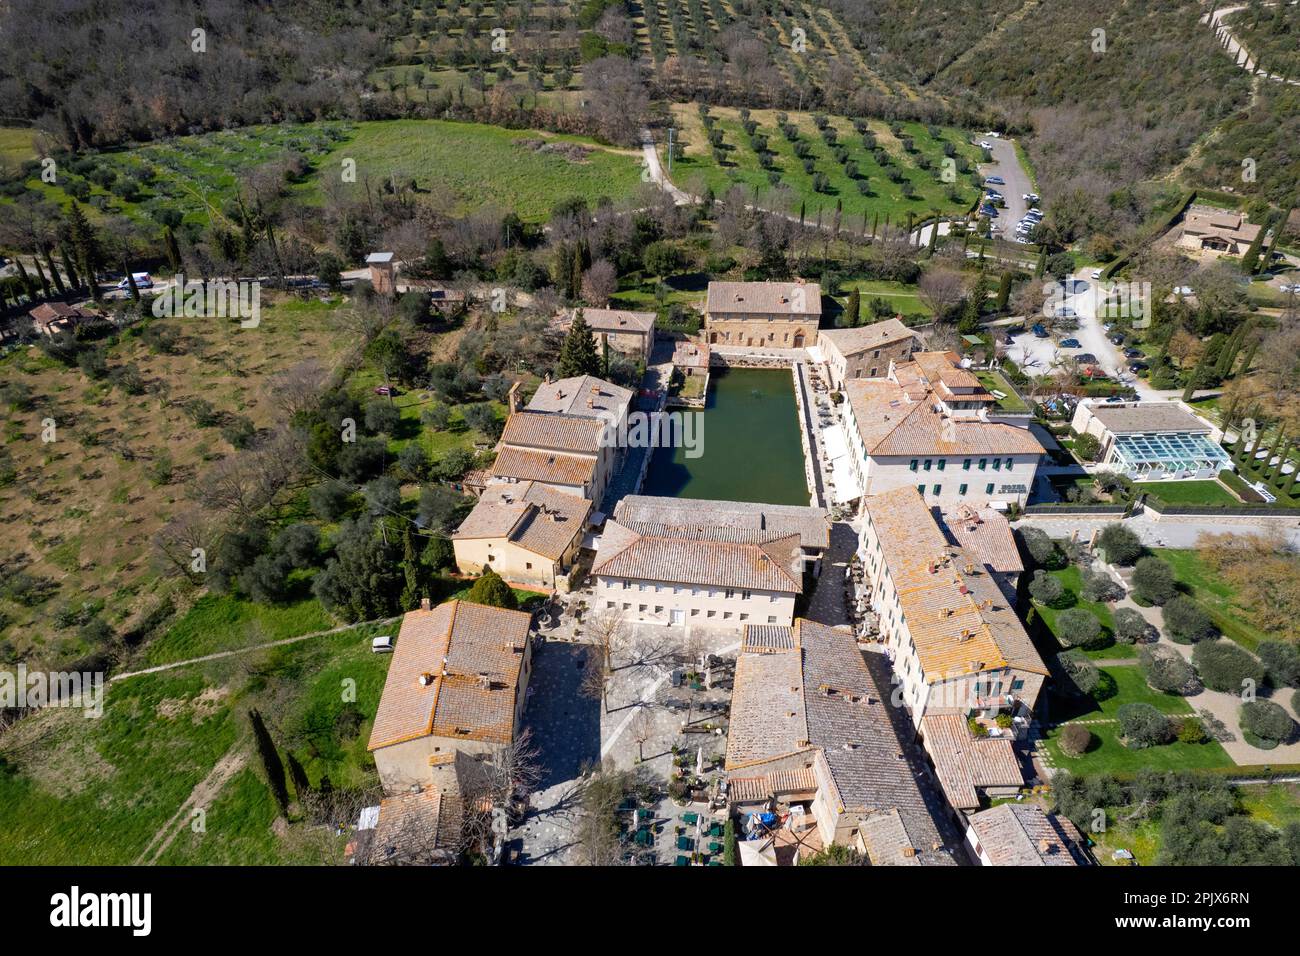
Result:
x=699 y=761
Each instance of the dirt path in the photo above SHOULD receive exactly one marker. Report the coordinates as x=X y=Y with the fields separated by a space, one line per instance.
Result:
x=245 y=650
x=201 y=797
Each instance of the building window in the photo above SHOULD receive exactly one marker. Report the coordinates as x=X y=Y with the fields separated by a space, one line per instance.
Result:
x=997 y=464
x=726 y=615
x=943 y=463
x=961 y=489
x=609 y=604
x=984 y=462
x=641 y=608
x=626 y=606
x=744 y=595
x=1017 y=684
x=912 y=465
x=695 y=612
x=744 y=617
x=528 y=565
x=938 y=488
x=928 y=463
x=712 y=613
x=921 y=488
x=730 y=593
x=965 y=465
x=1008 y=464
x=988 y=489
x=771 y=619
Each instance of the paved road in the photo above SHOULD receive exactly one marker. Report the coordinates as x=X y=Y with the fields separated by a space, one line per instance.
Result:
x=1007 y=165
x=1239 y=53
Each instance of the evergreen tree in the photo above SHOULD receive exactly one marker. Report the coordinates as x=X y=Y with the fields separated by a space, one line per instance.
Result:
x=1041 y=267
x=173 y=249
x=85 y=245
x=54 y=272
x=491 y=590
x=578 y=355
x=1198 y=375
x=1251 y=258
x=1004 y=291
x=852 y=312
x=1278 y=228
x=411 y=569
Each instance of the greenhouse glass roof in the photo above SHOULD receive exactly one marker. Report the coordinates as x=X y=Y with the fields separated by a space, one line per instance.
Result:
x=1169 y=450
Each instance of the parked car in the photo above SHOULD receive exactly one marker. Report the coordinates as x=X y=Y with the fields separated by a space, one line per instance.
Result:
x=1095 y=274
x=1117 y=338
x=1039 y=331
x=382 y=644
x=1137 y=367
x=995 y=181
x=988 y=211
x=1293 y=287
x=1030 y=197
x=1070 y=344
x=1086 y=358
x=386 y=390
x=1133 y=353
x=985 y=144
x=1034 y=214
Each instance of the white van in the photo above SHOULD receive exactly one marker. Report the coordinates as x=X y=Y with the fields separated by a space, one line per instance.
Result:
x=382 y=644
x=142 y=281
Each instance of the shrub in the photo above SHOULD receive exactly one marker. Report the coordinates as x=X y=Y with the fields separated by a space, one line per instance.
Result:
x=1165 y=670
x=1075 y=740
x=1081 y=671
x=1186 y=621
x=1040 y=547
x=1153 y=581
x=1046 y=589
x=1190 y=731
x=1099 y=586
x=1087 y=446
x=1120 y=544
x=1225 y=667
x=491 y=590
x=1295 y=703
x=330 y=500
x=1077 y=627
x=1143 y=726
x=1266 y=721
x=1130 y=626
x=1282 y=659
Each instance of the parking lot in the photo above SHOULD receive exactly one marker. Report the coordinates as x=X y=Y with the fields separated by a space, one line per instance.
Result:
x=1015 y=184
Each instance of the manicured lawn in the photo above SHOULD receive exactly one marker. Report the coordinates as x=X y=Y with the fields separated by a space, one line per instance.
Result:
x=1213 y=594
x=1208 y=492
x=1072 y=579
x=1277 y=803
x=995 y=383
x=222 y=622
x=521 y=595
x=1108 y=755
x=1139 y=837
x=1124 y=684
x=901 y=297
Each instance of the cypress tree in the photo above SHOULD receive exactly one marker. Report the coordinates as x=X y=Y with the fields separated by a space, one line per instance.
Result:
x=578 y=354
x=69 y=267
x=1278 y=228
x=85 y=244
x=852 y=312
x=1042 y=264
x=1251 y=258
x=1004 y=290
x=1244 y=368
x=1269 y=471
x=173 y=249
x=54 y=272
x=1198 y=375
x=411 y=570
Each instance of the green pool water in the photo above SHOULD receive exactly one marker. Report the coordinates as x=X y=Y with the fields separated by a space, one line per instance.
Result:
x=751 y=442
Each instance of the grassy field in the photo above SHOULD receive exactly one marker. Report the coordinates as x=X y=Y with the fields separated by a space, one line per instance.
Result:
x=899 y=296
x=16 y=146
x=1072 y=580
x=199 y=176
x=741 y=166
x=1125 y=685
x=122 y=777
x=477 y=166
x=223 y=622
x=1208 y=492
x=1213 y=594
x=102 y=498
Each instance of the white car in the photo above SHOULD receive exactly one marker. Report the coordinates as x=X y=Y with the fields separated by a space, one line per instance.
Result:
x=382 y=644
x=993 y=134
x=985 y=144
x=1294 y=287
x=1095 y=274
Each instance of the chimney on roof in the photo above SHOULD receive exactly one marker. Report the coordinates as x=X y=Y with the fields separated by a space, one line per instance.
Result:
x=1046 y=846
x=546 y=379
x=512 y=398
x=965 y=636
x=424 y=604
x=426 y=680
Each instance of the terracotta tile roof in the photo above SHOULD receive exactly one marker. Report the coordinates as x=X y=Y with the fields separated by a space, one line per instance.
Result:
x=553 y=432
x=764 y=638
x=416 y=829
x=900 y=418
x=819 y=695
x=527 y=464
x=777 y=783
x=964 y=763
x=47 y=313
x=958 y=618
x=741 y=521
x=584 y=396
x=769 y=566
x=614 y=321
x=454 y=673
x=534 y=517
x=767 y=708
x=984 y=534
x=765 y=298
x=1016 y=834
x=894 y=839
x=688 y=354
x=863 y=338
